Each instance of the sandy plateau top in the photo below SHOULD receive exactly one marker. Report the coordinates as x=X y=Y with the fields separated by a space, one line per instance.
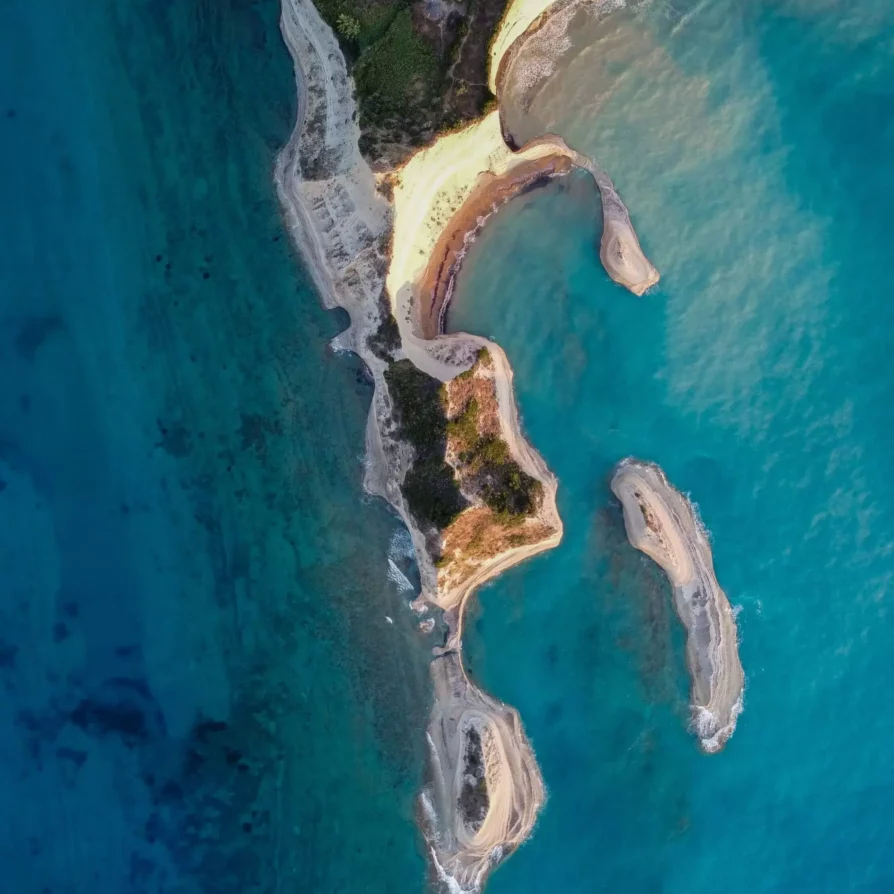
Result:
x=662 y=523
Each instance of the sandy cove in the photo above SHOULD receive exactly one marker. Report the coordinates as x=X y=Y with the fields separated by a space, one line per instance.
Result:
x=449 y=251
x=449 y=207
x=341 y=224
x=661 y=522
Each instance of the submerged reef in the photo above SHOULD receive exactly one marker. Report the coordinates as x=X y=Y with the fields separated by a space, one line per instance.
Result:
x=662 y=523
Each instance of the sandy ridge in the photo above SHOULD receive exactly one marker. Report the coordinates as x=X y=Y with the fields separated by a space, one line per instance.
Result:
x=662 y=523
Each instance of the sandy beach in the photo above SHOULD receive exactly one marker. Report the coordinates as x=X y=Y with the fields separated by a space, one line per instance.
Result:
x=446 y=257
x=661 y=522
x=519 y=18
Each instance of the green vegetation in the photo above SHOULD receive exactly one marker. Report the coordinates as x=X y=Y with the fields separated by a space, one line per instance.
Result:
x=499 y=479
x=419 y=405
x=473 y=799
x=509 y=491
x=431 y=492
x=373 y=20
x=399 y=74
x=347 y=26
x=430 y=487
x=386 y=339
x=463 y=430
x=398 y=77
x=416 y=76
x=483 y=358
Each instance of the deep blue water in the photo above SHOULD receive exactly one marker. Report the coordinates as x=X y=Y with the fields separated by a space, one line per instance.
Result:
x=752 y=142
x=200 y=689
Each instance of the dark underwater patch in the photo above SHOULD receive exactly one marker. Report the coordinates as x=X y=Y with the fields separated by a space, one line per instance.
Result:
x=34 y=332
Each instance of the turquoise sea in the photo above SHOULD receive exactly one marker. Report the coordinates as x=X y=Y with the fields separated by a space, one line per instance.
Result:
x=201 y=691
x=752 y=142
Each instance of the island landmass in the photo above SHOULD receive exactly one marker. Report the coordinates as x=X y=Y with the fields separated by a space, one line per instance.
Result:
x=662 y=523
x=381 y=208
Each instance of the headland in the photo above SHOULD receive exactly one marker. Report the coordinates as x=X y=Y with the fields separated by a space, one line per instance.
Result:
x=662 y=523
x=444 y=442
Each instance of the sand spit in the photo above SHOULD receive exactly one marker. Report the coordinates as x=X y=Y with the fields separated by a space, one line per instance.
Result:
x=485 y=783
x=620 y=251
x=518 y=70
x=661 y=522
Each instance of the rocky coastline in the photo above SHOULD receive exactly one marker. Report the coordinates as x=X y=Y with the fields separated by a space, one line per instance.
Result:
x=474 y=495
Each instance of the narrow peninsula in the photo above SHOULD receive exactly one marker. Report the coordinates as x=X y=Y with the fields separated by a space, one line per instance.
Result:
x=387 y=176
x=662 y=523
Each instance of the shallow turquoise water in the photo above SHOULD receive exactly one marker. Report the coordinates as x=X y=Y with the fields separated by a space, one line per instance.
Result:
x=201 y=691
x=752 y=143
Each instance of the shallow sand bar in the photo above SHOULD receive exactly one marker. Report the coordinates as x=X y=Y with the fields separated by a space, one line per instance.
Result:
x=661 y=522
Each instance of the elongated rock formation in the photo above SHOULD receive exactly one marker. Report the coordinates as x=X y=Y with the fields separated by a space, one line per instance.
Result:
x=661 y=522
x=620 y=252
x=486 y=788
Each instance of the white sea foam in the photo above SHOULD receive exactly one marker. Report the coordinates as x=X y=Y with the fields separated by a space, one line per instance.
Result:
x=396 y=576
x=428 y=810
x=705 y=724
x=452 y=885
x=435 y=761
x=401 y=545
x=700 y=525
x=343 y=343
